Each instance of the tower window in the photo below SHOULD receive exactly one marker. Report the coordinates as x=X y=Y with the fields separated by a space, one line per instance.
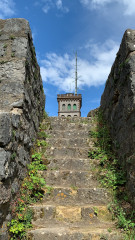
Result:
x=69 y=107
x=74 y=107
x=63 y=107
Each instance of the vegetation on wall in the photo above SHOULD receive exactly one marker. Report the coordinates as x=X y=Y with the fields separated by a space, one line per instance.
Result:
x=31 y=191
x=111 y=175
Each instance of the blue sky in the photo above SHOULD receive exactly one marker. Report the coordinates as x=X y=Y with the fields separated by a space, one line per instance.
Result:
x=93 y=28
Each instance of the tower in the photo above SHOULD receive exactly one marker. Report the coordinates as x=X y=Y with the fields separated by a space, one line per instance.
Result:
x=69 y=104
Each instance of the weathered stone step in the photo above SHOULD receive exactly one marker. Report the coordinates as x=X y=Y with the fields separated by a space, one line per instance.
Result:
x=68 y=134
x=97 y=232
x=59 y=120
x=72 y=214
x=67 y=178
x=69 y=164
x=76 y=196
x=74 y=142
x=70 y=126
x=73 y=152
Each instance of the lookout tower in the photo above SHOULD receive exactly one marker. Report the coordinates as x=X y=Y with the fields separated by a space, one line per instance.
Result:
x=69 y=104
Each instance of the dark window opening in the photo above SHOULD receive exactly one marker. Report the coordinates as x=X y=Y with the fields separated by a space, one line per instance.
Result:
x=74 y=107
x=69 y=107
x=63 y=107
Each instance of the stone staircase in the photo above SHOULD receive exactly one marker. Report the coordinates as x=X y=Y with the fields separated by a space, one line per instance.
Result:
x=76 y=207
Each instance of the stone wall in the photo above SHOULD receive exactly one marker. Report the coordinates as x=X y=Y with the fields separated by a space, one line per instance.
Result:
x=118 y=105
x=22 y=103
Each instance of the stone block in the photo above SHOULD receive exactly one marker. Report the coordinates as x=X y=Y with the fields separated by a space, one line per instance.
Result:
x=4 y=164
x=5 y=129
x=15 y=120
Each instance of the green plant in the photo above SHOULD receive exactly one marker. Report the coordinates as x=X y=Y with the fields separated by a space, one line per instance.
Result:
x=18 y=226
x=42 y=143
x=31 y=190
x=12 y=54
x=42 y=135
x=74 y=187
x=111 y=175
x=5 y=46
x=49 y=189
x=13 y=135
x=95 y=211
x=45 y=115
x=12 y=37
x=13 y=156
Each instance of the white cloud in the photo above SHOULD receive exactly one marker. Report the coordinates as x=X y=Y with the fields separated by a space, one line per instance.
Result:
x=130 y=7
x=95 y=3
x=7 y=8
x=59 y=70
x=59 y=4
x=50 y=4
x=128 y=4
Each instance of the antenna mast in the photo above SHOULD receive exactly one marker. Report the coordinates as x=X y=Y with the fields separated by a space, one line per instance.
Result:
x=76 y=77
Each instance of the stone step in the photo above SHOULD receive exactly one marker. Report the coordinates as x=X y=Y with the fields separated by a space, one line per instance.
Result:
x=70 y=126
x=69 y=164
x=67 y=178
x=76 y=196
x=59 y=120
x=72 y=214
x=68 y=134
x=65 y=152
x=97 y=232
x=74 y=142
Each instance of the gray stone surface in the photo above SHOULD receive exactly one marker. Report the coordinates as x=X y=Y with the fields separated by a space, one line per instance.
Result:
x=4 y=164
x=5 y=129
x=118 y=105
x=22 y=103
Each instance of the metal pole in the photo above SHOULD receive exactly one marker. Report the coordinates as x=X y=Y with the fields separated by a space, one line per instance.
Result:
x=76 y=75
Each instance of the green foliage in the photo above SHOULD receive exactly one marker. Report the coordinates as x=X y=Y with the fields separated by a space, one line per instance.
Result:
x=12 y=37
x=31 y=191
x=128 y=224
x=45 y=115
x=49 y=189
x=13 y=156
x=42 y=135
x=12 y=54
x=5 y=46
x=95 y=211
x=111 y=175
x=74 y=187
x=13 y=135
x=42 y=143
x=22 y=220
